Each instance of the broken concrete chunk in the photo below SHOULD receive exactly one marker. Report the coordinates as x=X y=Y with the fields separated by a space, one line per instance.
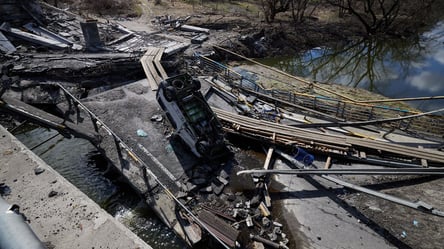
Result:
x=217 y=189
x=40 y=40
x=222 y=180
x=190 y=187
x=5 y=45
x=199 y=181
x=199 y=39
x=206 y=190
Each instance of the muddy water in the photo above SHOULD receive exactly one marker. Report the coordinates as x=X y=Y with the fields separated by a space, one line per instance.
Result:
x=396 y=69
x=79 y=162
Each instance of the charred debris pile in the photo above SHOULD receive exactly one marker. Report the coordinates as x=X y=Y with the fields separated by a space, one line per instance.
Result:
x=41 y=45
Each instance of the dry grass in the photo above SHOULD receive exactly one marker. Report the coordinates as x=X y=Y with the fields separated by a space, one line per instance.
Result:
x=130 y=8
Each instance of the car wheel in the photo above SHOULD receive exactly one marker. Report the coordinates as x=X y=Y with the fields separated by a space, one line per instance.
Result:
x=195 y=84
x=178 y=84
x=170 y=93
x=202 y=147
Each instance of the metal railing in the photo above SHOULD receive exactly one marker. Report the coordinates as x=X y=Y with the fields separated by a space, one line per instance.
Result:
x=343 y=109
x=146 y=169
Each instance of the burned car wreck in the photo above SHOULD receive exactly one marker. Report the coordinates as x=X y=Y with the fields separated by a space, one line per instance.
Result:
x=190 y=115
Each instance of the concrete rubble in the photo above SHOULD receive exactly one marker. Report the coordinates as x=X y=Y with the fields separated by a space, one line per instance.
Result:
x=59 y=214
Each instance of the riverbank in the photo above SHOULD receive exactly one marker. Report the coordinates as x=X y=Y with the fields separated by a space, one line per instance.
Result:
x=60 y=214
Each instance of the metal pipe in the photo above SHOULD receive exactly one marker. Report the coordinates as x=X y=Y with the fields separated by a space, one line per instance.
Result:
x=408 y=171
x=14 y=231
x=419 y=205
x=267 y=242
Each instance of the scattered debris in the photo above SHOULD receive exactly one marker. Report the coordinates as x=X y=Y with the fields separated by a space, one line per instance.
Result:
x=403 y=235
x=157 y=118
x=39 y=40
x=191 y=28
x=52 y=193
x=199 y=39
x=90 y=32
x=38 y=170
x=141 y=133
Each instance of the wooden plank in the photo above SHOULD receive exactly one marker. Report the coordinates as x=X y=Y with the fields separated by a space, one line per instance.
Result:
x=268 y=159
x=175 y=48
x=221 y=229
x=327 y=163
x=192 y=230
x=45 y=119
x=423 y=161
x=329 y=140
x=145 y=62
x=159 y=66
x=151 y=67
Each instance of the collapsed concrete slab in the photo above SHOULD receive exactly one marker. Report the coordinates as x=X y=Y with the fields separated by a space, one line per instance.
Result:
x=5 y=45
x=32 y=38
x=59 y=213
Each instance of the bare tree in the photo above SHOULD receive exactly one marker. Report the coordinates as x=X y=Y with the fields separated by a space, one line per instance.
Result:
x=375 y=15
x=273 y=7
x=299 y=9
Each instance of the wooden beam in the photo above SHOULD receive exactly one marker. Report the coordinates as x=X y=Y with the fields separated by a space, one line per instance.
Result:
x=423 y=161
x=268 y=159
x=159 y=66
x=145 y=61
x=327 y=163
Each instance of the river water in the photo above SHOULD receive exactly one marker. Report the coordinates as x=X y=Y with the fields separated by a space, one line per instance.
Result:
x=394 y=68
x=80 y=163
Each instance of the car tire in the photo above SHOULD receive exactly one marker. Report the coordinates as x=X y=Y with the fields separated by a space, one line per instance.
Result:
x=178 y=84
x=170 y=93
x=195 y=84
x=202 y=147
